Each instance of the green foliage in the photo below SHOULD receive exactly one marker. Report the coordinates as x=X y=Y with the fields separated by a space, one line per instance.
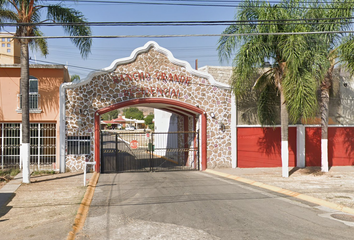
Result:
x=133 y=113
x=12 y=172
x=110 y=115
x=74 y=77
x=30 y=12
x=296 y=61
x=149 y=121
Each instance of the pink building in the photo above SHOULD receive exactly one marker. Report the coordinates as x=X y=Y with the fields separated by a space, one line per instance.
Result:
x=45 y=81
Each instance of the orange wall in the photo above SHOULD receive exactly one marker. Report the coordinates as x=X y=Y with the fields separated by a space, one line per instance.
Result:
x=49 y=80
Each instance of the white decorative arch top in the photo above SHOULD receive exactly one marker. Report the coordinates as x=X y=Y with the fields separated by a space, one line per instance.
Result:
x=132 y=58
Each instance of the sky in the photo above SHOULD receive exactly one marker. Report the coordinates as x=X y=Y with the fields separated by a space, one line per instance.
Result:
x=105 y=51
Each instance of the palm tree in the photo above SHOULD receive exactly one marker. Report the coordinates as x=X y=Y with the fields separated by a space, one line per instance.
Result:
x=27 y=13
x=294 y=66
x=337 y=50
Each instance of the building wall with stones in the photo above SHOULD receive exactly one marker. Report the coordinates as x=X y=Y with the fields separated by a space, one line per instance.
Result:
x=150 y=72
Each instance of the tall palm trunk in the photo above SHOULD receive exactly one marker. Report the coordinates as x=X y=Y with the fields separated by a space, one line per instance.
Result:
x=325 y=86
x=284 y=135
x=284 y=122
x=25 y=146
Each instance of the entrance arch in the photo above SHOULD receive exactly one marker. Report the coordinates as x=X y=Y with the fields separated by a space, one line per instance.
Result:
x=151 y=76
x=160 y=103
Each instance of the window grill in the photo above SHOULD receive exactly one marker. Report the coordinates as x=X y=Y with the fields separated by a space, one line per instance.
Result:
x=10 y=144
x=42 y=144
x=78 y=145
x=33 y=97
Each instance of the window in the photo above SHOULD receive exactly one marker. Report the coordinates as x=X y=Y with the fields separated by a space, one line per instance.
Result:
x=3 y=39
x=33 y=94
x=9 y=45
x=3 y=45
x=78 y=144
x=9 y=40
x=8 y=50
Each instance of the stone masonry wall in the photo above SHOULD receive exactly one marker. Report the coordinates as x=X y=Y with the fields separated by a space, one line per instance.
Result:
x=151 y=75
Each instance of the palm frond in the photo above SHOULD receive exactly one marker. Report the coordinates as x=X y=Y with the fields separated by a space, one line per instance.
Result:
x=69 y=15
x=346 y=53
x=39 y=43
x=268 y=105
x=264 y=80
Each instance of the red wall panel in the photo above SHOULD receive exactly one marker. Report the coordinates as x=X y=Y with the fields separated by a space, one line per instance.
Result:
x=261 y=147
x=313 y=146
x=341 y=146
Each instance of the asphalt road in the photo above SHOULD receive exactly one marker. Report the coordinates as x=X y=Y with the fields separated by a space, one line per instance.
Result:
x=196 y=205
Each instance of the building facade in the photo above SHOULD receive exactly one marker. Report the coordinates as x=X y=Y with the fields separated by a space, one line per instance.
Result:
x=45 y=81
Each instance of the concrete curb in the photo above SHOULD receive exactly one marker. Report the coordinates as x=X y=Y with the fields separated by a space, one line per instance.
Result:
x=304 y=197
x=84 y=207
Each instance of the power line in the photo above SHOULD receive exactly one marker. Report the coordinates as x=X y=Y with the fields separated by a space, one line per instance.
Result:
x=183 y=35
x=192 y=4
x=185 y=23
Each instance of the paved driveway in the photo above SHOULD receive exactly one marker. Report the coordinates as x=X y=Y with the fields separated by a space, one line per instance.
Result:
x=196 y=205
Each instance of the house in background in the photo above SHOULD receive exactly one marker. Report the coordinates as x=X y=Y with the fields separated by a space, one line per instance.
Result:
x=121 y=123
x=45 y=81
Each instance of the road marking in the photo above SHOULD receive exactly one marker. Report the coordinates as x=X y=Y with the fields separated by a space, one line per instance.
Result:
x=303 y=197
x=84 y=207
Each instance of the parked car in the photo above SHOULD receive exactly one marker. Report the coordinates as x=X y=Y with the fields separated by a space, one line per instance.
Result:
x=130 y=128
x=119 y=126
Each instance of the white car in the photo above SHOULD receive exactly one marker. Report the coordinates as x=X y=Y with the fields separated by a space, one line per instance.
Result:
x=129 y=128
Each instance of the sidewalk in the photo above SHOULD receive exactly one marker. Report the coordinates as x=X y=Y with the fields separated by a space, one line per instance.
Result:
x=335 y=186
x=7 y=192
x=44 y=209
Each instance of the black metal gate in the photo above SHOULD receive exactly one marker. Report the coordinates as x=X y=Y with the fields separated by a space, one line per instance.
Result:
x=123 y=151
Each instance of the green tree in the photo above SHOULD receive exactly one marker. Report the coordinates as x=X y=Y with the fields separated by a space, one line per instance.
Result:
x=27 y=13
x=149 y=121
x=110 y=115
x=294 y=69
x=338 y=49
x=133 y=113
x=74 y=77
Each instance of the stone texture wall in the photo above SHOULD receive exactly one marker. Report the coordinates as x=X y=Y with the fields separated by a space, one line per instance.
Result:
x=109 y=88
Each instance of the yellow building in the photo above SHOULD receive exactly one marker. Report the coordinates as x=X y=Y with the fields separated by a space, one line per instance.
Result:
x=9 y=49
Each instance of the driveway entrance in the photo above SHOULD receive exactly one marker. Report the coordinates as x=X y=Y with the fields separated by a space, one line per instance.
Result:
x=196 y=205
x=123 y=151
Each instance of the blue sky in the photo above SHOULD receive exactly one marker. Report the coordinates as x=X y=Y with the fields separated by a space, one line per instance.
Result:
x=105 y=51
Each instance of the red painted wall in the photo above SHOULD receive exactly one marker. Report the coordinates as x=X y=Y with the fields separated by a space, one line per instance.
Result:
x=261 y=147
x=312 y=146
x=340 y=146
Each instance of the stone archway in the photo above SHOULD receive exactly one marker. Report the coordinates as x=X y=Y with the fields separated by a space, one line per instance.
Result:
x=161 y=103
x=151 y=75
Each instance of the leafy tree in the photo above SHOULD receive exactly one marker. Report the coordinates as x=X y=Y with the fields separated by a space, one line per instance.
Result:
x=110 y=115
x=294 y=68
x=27 y=13
x=149 y=121
x=133 y=113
